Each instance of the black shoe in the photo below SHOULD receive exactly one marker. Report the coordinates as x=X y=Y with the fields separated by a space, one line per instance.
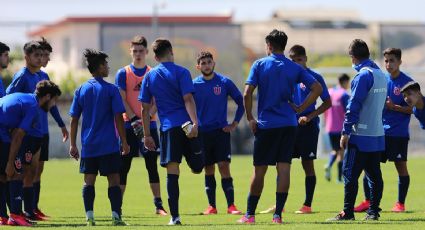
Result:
x=371 y=216
x=341 y=216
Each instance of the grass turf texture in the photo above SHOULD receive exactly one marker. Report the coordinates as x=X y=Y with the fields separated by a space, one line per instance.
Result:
x=61 y=199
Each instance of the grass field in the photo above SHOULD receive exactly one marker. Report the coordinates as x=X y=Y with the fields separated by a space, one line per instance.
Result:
x=61 y=198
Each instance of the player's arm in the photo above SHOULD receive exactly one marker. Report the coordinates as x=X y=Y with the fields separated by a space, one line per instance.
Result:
x=128 y=110
x=119 y=122
x=326 y=104
x=315 y=91
x=73 y=149
x=189 y=103
x=247 y=100
x=389 y=104
x=153 y=108
x=17 y=136
x=236 y=95
x=54 y=111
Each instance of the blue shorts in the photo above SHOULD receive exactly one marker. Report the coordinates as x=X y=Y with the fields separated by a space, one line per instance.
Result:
x=395 y=149
x=29 y=147
x=44 y=151
x=4 y=156
x=175 y=145
x=275 y=145
x=136 y=145
x=306 y=141
x=104 y=165
x=335 y=139
x=216 y=146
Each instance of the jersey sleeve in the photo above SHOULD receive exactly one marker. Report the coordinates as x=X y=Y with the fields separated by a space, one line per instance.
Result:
x=54 y=111
x=185 y=83
x=18 y=85
x=117 y=104
x=76 y=108
x=306 y=78
x=325 y=93
x=253 y=75
x=30 y=119
x=344 y=101
x=145 y=94
x=236 y=95
x=120 y=79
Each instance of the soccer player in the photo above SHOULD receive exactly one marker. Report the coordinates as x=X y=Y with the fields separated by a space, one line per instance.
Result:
x=4 y=62
x=396 y=118
x=307 y=134
x=334 y=118
x=211 y=93
x=276 y=77
x=363 y=132
x=129 y=79
x=20 y=139
x=413 y=97
x=171 y=86
x=101 y=105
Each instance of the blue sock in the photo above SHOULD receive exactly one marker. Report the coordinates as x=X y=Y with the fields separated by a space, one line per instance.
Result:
x=88 y=197
x=3 y=209
x=36 y=187
x=252 y=204
x=173 y=194
x=115 y=198
x=366 y=188
x=227 y=185
x=28 y=200
x=16 y=192
x=340 y=171
x=310 y=185
x=210 y=186
x=403 y=187
x=331 y=161
x=158 y=202
x=280 y=202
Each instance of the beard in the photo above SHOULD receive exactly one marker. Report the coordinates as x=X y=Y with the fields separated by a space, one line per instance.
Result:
x=45 y=107
x=208 y=73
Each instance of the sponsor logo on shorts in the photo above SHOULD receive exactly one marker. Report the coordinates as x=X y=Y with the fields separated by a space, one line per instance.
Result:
x=197 y=153
x=399 y=156
x=312 y=154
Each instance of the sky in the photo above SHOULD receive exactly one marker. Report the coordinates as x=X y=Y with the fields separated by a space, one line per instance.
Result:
x=48 y=11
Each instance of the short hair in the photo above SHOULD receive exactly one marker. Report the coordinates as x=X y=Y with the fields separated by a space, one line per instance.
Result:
x=31 y=46
x=161 y=47
x=297 y=50
x=393 y=51
x=202 y=55
x=94 y=59
x=45 y=45
x=411 y=85
x=359 y=49
x=277 y=39
x=3 y=48
x=139 y=40
x=343 y=78
x=45 y=87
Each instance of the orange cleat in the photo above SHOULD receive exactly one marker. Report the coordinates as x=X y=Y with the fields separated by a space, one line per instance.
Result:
x=210 y=210
x=233 y=210
x=18 y=220
x=40 y=213
x=304 y=210
x=398 y=207
x=3 y=220
x=363 y=206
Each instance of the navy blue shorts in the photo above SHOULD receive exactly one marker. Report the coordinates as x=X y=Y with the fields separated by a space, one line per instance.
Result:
x=29 y=147
x=105 y=164
x=44 y=150
x=136 y=145
x=4 y=156
x=175 y=145
x=274 y=145
x=306 y=141
x=395 y=149
x=216 y=146
x=335 y=141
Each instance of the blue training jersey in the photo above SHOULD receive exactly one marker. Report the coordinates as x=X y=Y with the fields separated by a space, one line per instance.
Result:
x=301 y=93
x=168 y=83
x=98 y=101
x=19 y=110
x=396 y=123
x=276 y=78
x=2 y=91
x=420 y=115
x=211 y=98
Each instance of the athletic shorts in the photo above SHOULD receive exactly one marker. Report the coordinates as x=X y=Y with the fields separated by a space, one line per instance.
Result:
x=136 y=145
x=4 y=156
x=306 y=141
x=216 y=146
x=104 y=165
x=395 y=149
x=335 y=141
x=44 y=151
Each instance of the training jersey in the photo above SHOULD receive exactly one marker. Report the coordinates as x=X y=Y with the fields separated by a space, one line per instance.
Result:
x=420 y=115
x=276 y=78
x=17 y=111
x=301 y=93
x=211 y=98
x=129 y=79
x=363 y=119
x=334 y=116
x=168 y=83
x=2 y=91
x=98 y=101
x=396 y=123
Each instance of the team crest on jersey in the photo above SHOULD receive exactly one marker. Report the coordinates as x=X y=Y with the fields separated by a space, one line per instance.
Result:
x=28 y=157
x=396 y=91
x=302 y=86
x=217 y=90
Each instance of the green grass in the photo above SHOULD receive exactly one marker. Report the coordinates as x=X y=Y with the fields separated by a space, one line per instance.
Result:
x=61 y=198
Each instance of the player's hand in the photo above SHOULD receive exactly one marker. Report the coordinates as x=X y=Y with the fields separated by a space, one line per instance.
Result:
x=73 y=152
x=230 y=128
x=303 y=120
x=296 y=108
x=193 y=132
x=65 y=134
x=10 y=169
x=344 y=141
x=137 y=128
x=389 y=103
x=125 y=148
x=149 y=143
x=253 y=125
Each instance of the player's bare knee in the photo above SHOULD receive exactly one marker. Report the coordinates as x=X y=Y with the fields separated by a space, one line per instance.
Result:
x=209 y=170
x=173 y=168
x=401 y=167
x=224 y=169
x=89 y=179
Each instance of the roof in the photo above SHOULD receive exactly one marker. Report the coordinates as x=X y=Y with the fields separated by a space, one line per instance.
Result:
x=215 y=19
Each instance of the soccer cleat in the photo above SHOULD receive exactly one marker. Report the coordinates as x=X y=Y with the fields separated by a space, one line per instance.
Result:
x=341 y=217
x=327 y=173
x=304 y=210
x=269 y=210
x=175 y=221
x=38 y=212
x=210 y=210
x=246 y=219
x=398 y=207
x=31 y=217
x=90 y=222
x=3 y=220
x=277 y=219
x=371 y=216
x=118 y=222
x=363 y=206
x=18 y=220
x=161 y=212
x=233 y=210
